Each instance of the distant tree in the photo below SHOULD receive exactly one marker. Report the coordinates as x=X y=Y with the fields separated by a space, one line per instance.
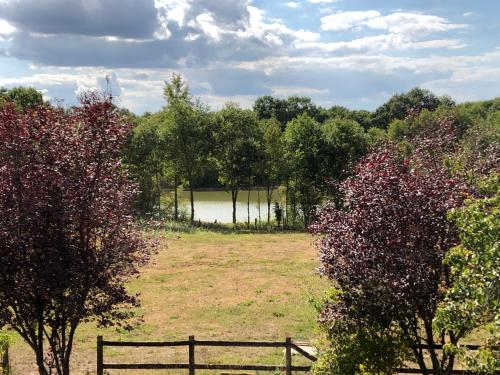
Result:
x=271 y=163
x=298 y=105
x=176 y=91
x=376 y=136
x=384 y=248
x=265 y=107
x=344 y=142
x=22 y=97
x=479 y=109
x=145 y=158
x=303 y=145
x=400 y=105
x=67 y=242
x=185 y=132
x=285 y=110
x=478 y=154
x=235 y=146
x=364 y=118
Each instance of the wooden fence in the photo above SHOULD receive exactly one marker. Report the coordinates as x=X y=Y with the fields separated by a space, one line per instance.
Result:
x=192 y=366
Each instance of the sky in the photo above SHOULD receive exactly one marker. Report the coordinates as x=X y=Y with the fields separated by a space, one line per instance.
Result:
x=355 y=53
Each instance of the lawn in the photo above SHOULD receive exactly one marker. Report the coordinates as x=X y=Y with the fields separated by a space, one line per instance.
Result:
x=214 y=286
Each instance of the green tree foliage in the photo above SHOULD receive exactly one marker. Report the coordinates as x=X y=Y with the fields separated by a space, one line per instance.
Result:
x=272 y=169
x=235 y=135
x=400 y=105
x=285 y=110
x=176 y=91
x=376 y=137
x=5 y=341
x=473 y=300
x=480 y=109
x=185 y=134
x=22 y=97
x=357 y=349
x=344 y=142
x=303 y=145
x=145 y=157
x=479 y=151
x=364 y=118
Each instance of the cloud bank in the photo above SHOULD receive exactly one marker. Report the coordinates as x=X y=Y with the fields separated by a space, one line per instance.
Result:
x=235 y=49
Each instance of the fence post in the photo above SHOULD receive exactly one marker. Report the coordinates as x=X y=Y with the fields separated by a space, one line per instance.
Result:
x=288 y=356
x=191 y=356
x=100 y=356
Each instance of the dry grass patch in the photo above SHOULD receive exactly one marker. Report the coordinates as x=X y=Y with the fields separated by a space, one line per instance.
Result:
x=214 y=286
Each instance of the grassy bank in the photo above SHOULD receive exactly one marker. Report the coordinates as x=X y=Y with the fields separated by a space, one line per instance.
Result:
x=215 y=285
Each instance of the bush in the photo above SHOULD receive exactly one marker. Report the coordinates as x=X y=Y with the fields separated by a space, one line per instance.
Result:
x=358 y=349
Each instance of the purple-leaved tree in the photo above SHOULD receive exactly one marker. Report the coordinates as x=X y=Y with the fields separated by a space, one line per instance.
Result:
x=384 y=248
x=67 y=240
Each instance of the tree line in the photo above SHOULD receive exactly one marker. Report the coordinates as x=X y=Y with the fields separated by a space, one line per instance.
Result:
x=292 y=143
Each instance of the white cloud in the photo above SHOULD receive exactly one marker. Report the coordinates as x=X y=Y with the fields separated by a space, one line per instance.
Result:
x=272 y=33
x=405 y=31
x=207 y=24
x=411 y=23
x=381 y=43
x=327 y=10
x=346 y=20
x=284 y=91
x=396 y=23
x=6 y=28
x=293 y=4
x=171 y=11
x=322 y=1
x=379 y=63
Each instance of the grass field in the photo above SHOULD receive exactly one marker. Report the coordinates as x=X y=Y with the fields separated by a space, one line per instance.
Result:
x=214 y=286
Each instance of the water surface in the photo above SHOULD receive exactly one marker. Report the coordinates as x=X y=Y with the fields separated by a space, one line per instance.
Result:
x=216 y=205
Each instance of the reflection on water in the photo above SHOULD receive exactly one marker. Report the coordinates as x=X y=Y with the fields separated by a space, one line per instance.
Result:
x=210 y=206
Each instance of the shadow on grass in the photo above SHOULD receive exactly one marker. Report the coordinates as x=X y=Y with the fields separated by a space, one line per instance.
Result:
x=184 y=226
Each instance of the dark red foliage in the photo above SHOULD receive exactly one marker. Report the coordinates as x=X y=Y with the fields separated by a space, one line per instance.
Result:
x=384 y=248
x=67 y=241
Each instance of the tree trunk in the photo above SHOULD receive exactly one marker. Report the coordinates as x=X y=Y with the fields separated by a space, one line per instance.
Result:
x=158 y=188
x=285 y=221
x=269 y=199
x=436 y=367
x=248 y=207
x=191 y=197
x=39 y=345
x=410 y=332
x=41 y=366
x=176 y=200
x=69 y=347
x=258 y=204
x=234 y=196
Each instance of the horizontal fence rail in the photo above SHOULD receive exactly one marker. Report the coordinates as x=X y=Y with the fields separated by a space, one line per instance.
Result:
x=192 y=366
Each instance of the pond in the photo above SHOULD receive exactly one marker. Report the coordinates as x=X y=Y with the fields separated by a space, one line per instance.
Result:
x=216 y=205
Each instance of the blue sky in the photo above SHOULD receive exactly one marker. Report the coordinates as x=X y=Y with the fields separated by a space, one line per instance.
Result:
x=355 y=53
